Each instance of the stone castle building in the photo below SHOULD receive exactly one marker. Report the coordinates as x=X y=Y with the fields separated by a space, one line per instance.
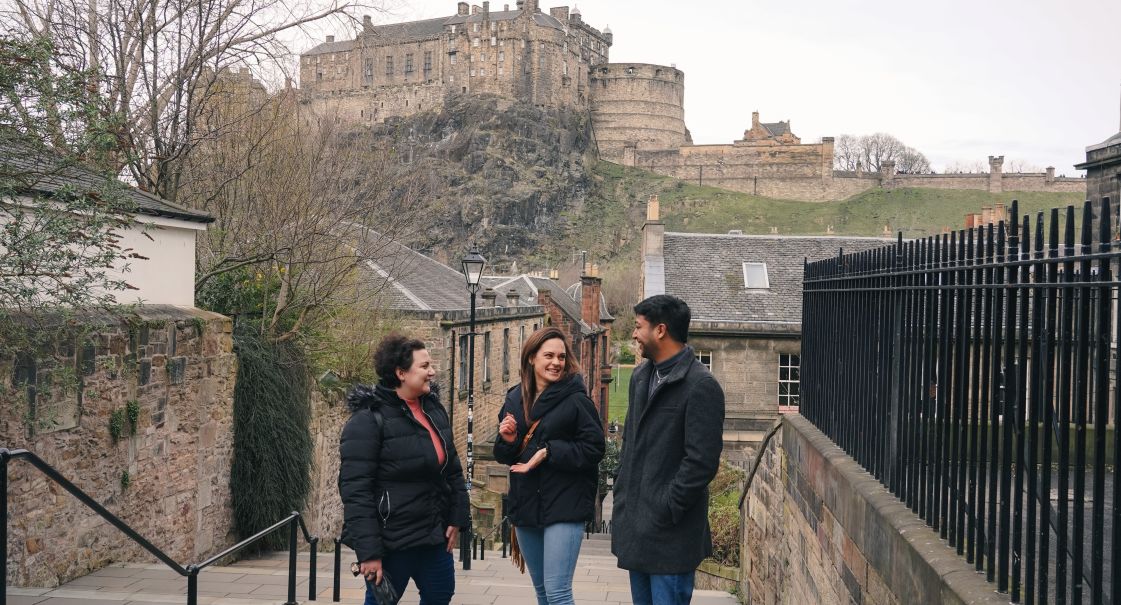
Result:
x=405 y=68
x=555 y=59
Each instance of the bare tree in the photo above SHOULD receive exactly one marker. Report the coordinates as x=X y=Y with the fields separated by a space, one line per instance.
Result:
x=1021 y=165
x=871 y=151
x=152 y=65
x=304 y=204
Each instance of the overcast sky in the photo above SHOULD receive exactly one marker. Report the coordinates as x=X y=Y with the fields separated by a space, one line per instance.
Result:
x=1033 y=80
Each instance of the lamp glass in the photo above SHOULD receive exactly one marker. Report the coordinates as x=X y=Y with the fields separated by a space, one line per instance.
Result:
x=473 y=265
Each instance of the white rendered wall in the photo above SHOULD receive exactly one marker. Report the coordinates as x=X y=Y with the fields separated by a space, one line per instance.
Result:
x=167 y=277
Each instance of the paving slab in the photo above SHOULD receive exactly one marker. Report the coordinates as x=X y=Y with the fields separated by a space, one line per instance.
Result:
x=263 y=580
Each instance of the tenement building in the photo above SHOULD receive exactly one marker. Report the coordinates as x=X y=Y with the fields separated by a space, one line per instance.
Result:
x=403 y=68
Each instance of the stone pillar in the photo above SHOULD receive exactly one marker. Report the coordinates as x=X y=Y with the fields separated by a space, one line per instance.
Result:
x=887 y=174
x=1050 y=178
x=827 y=161
x=996 y=174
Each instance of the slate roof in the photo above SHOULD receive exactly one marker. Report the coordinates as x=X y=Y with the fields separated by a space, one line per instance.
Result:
x=1113 y=140
x=47 y=175
x=574 y=292
x=528 y=287
x=706 y=271
x=331 y=47
x=777 y=128
x=413 y=281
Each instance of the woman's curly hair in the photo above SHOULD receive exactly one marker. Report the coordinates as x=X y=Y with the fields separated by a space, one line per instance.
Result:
x=395 y=352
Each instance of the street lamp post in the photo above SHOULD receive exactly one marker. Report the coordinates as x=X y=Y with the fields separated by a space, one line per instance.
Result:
x=473 y=265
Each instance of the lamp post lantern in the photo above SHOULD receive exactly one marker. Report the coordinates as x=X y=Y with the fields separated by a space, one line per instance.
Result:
x=473 y=265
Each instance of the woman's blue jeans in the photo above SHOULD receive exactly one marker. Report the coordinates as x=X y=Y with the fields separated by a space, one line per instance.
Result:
x=550 y=555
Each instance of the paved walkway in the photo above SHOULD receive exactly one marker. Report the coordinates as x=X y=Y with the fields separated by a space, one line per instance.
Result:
x=264 y=580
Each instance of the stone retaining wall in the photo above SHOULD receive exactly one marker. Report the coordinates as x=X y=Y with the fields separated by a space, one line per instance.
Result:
x=169 y=478
x=819 y=529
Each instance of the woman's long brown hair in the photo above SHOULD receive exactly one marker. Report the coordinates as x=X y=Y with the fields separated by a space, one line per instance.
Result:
x=529 y=349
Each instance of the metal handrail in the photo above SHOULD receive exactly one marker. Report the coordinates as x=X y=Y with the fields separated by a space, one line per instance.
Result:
x=191 y=572
x=758 y=459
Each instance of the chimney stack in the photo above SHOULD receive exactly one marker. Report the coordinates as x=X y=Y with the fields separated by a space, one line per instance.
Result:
x=512 y=297
x=463 y=9
x=590 y=287
x=367 y=22
x=330 y=39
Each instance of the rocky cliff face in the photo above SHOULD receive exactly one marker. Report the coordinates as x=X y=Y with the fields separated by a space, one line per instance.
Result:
x=509 y=176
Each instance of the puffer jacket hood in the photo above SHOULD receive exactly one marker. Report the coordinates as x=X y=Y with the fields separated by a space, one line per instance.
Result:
x=368 y=396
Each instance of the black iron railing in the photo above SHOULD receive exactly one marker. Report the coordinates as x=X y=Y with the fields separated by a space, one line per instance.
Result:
x=975 y=375
x=294 y=521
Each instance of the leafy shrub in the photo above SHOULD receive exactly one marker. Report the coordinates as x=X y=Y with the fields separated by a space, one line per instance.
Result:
x=270 y=476
x=724 y=514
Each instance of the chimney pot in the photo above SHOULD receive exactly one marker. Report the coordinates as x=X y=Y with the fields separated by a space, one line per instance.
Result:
x=330 y=39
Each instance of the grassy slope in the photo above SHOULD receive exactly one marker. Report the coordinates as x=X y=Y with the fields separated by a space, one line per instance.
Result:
x=692 y=208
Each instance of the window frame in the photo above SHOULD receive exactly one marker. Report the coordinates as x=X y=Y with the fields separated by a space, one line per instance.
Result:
x=789 y=400
x=700 y=355
x=766 y=276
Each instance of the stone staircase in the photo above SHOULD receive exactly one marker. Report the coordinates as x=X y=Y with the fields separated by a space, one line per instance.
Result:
x=263 y=580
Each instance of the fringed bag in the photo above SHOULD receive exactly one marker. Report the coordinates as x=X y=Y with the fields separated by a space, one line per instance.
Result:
x=515 y=550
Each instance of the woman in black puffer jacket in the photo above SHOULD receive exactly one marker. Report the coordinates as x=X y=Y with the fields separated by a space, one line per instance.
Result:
x=551 y=435
x=402 y=487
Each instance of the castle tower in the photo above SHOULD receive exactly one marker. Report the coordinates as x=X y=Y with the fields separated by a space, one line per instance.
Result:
x=637 y=106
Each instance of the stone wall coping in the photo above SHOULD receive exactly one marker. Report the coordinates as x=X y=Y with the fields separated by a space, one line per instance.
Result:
x=755 y=328
x=909 y=541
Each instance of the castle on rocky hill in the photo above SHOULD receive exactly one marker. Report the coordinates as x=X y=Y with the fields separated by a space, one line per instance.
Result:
x=557 y=60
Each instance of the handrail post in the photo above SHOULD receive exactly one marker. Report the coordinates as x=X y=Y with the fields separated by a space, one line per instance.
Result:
x=5 y=456
x=338 y=564
x=312 y=571
x=293 y=536
x=192 y=585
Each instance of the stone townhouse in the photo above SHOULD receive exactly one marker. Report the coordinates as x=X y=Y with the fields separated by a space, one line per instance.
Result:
x=745 y=293
x=584 y=319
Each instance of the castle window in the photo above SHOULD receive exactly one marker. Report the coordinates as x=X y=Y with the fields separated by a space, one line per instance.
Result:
x=427 y=61
x=408 y=63
x=475 y=27
x=501 y=56
x=483 y=71
x=475 y=42
x=500 y=70
x=451 y=58
x=453 y=29
x=502 y=43
x=472 y=73
x=484 y=57
x=368 y=71
x=493 y=41
x=493 y=25
x=565 y=68
x=389 y=65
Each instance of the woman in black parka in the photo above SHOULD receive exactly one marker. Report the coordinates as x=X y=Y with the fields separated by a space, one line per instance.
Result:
x=402 y=487
x=550 y=434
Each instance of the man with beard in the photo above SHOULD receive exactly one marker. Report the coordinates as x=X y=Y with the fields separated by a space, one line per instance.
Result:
x=671 y=451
